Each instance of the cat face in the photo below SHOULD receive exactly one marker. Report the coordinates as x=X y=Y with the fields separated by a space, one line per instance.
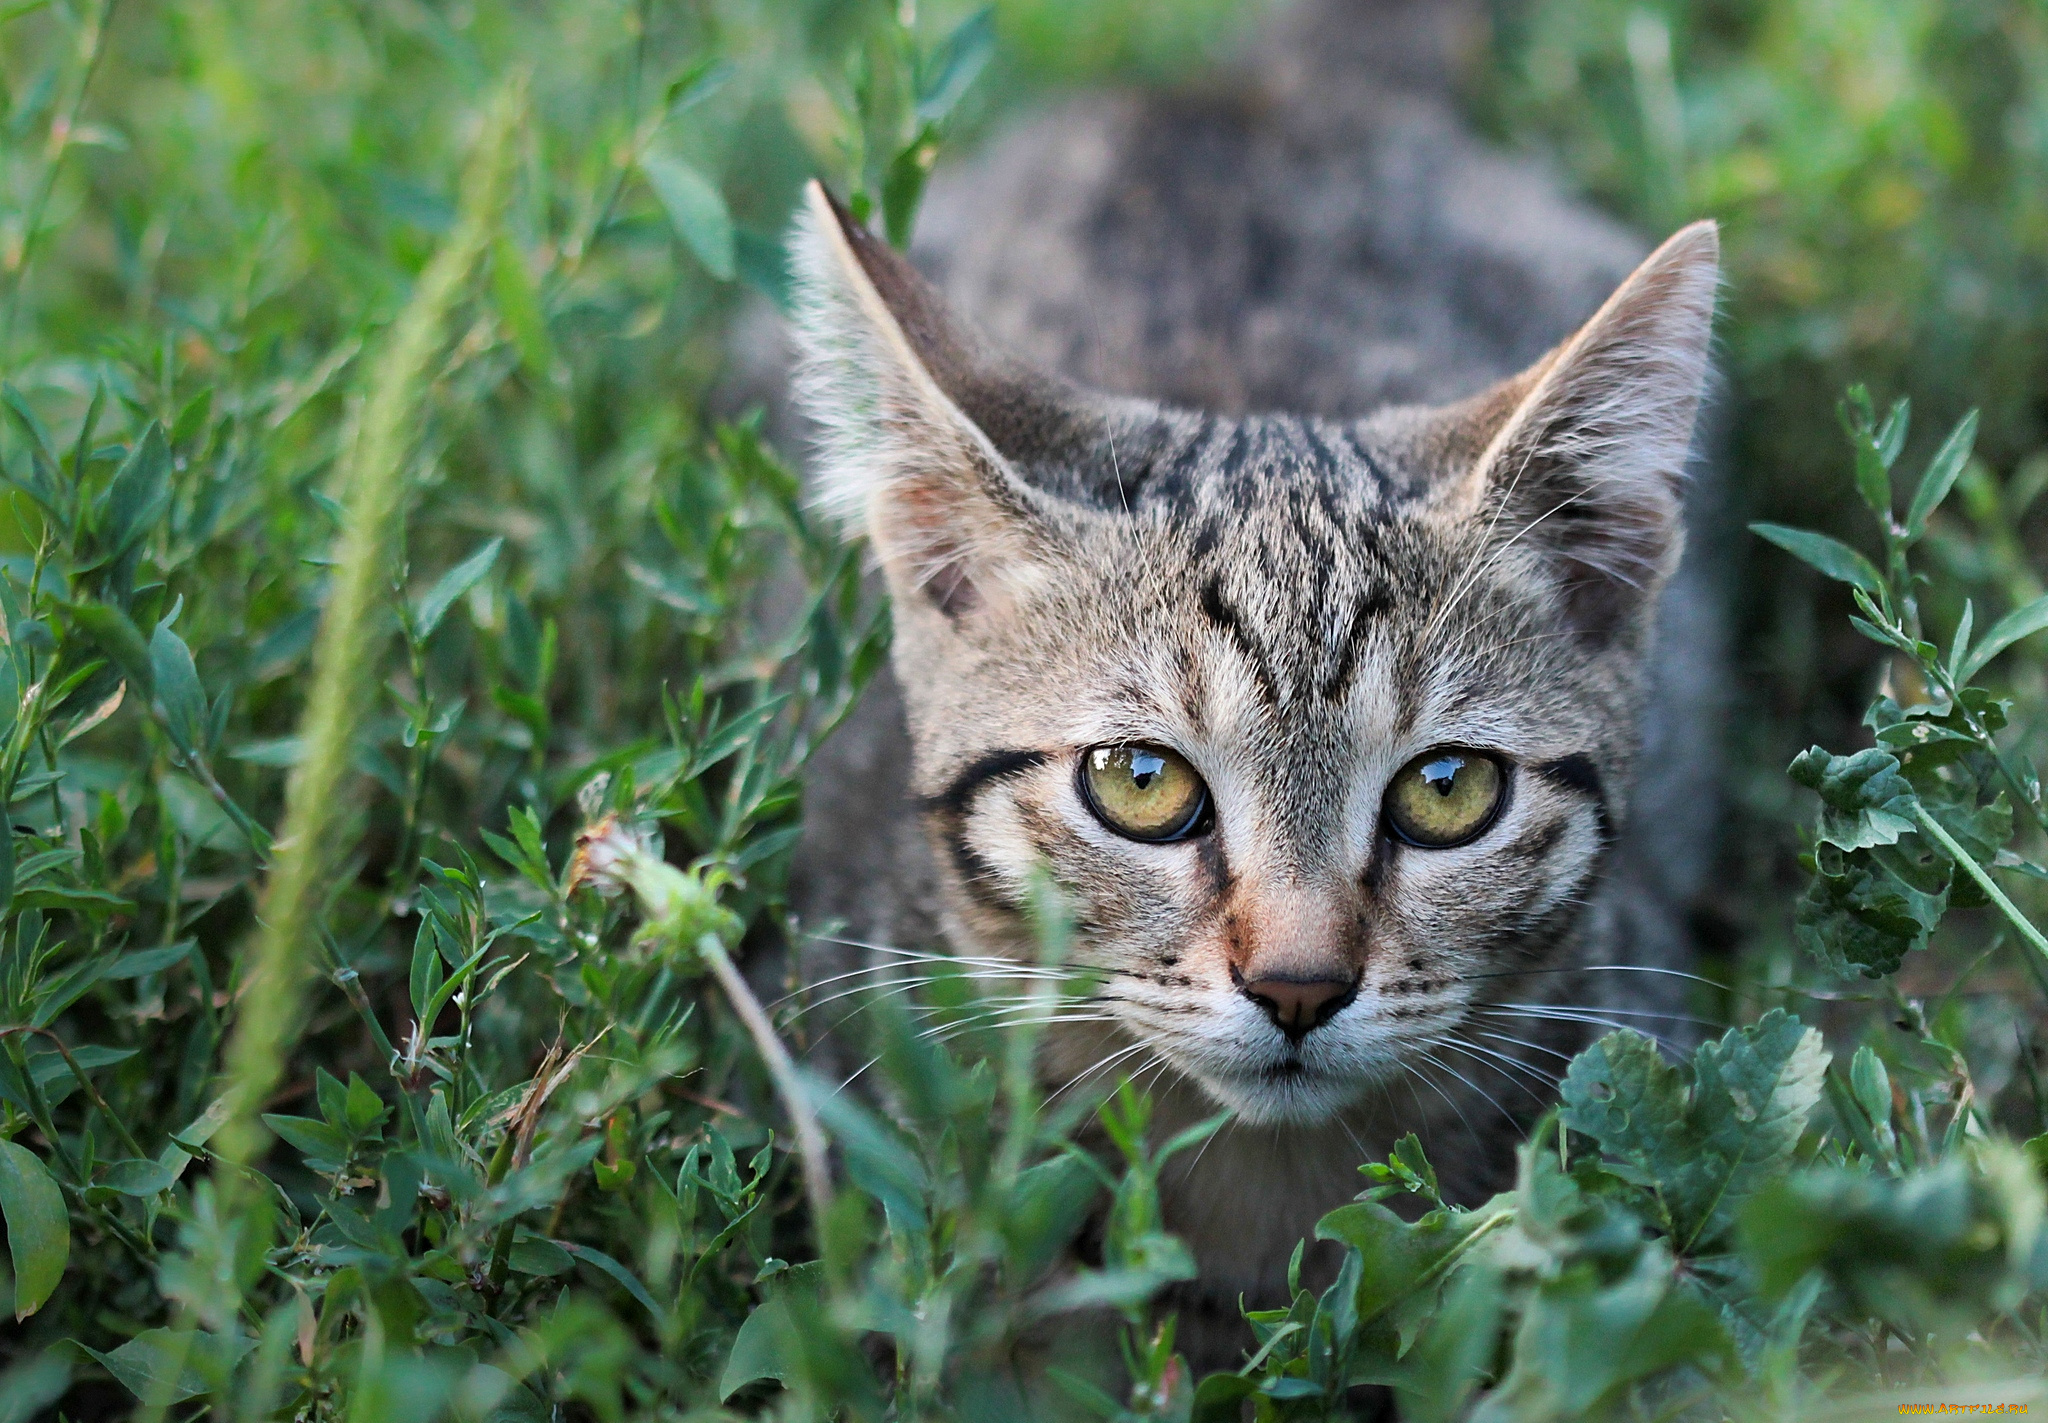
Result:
x=1320 y=729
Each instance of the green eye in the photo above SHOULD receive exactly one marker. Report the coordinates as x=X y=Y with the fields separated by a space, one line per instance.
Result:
x=1445 y=797
x=1145 y=792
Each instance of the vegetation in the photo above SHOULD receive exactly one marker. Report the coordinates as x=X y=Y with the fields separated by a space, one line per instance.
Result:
x=372 y=1038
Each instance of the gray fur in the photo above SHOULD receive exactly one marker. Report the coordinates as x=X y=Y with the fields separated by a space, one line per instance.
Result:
x=1303 y=600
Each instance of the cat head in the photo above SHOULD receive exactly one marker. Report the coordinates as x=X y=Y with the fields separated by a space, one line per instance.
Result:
x=1319 y=726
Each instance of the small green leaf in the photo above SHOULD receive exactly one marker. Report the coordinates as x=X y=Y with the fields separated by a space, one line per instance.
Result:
x=116 y=635
x=1872 y=1085
x=957 y=63
x=903 y=187
x=698 y=82
x=148 y=961
x=537 y=1255
x=1942 y=471
x=626 y=1278
x=762 y=1349
x=425 y=980
x=138 y=494
x=137 y=1176
x=519 y=305
x=316 y=1140
x=696 y=209
x=38 y=1228
x=1830 y=556
x=1865 y=802
x=172 y=1365
x=1581 y=1339
x=1858 y=919
x=178 y=691
x=2020 y=623
x=363 y=1108
x=451 y=586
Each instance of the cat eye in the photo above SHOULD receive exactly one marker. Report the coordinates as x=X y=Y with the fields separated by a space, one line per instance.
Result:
x=1144 y=792
x=1445 y=797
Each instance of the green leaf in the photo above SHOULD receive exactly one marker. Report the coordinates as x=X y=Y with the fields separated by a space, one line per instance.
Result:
x=1858 y=919
x=53 y=1073
x=425 y=980
x=696 y=209
x=272 y=751
x=83 y=901
x=1938 y=1247
x=763 y=1349
x=538 y=1255
x=2020 y=623
x=951 y=71
x=111 y=630
x=452 y=585
x=1455 y=1352
x=1960 y=648
x=362 y=1108
x=1709 y=1135
x=172 y=1365
x=626 y=1278
x=148 y=961
x=323 y=1146
x=519 y=305
x=137 y=1176
x=1399 y=1257
x=138 y=494
x=1220 y=1398
x=35 y=1380
x=1949 y=462
x=1752 y=1092
x=698 y=82
x=903 y=187
x=1864 y=800
x=38 y=1228
x=178 y=692
x=1890 y=438
x=1581 y=1340
x=1830 y=556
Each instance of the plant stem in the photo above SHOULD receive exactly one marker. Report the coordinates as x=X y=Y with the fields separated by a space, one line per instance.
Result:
x=114 y=1119
x=2019 y=921
x=810 y=1142
x=315 y=801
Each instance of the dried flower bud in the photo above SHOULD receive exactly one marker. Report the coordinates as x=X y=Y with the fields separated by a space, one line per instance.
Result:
x=679 y=906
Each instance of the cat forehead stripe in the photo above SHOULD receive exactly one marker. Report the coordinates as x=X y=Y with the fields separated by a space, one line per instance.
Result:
x=960 y=791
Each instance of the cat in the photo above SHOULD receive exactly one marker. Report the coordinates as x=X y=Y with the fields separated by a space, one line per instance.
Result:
x=1325 y=724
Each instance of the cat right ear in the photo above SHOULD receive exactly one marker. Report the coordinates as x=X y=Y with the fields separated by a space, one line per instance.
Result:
x=880 y=363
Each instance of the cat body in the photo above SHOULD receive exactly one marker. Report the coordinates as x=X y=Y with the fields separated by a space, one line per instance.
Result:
x=1324 y=631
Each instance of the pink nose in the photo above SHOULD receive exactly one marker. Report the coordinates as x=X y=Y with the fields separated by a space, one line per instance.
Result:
x=1299 y=1006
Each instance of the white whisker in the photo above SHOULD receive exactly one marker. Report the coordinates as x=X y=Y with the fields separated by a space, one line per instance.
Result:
x=1484 y=1095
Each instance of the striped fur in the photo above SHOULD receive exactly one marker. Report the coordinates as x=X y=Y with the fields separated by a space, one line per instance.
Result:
x=1298 y=603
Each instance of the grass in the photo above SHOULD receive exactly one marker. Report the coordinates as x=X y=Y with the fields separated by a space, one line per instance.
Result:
x=409 y=684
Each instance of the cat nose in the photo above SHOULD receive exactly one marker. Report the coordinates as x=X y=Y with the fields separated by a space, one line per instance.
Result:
x=1298 y=1006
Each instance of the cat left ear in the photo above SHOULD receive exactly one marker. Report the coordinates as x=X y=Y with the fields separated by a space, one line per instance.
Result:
x=883 y=369
x=1588 y=467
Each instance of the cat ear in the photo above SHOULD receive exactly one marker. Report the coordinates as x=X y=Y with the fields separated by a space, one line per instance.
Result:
x=1588 y=466
x=884 y=369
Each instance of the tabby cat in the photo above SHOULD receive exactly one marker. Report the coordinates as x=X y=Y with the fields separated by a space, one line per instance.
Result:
x=1325 y=724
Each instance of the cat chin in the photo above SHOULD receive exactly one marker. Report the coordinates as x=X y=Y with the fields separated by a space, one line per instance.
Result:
x=1301 y=1097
